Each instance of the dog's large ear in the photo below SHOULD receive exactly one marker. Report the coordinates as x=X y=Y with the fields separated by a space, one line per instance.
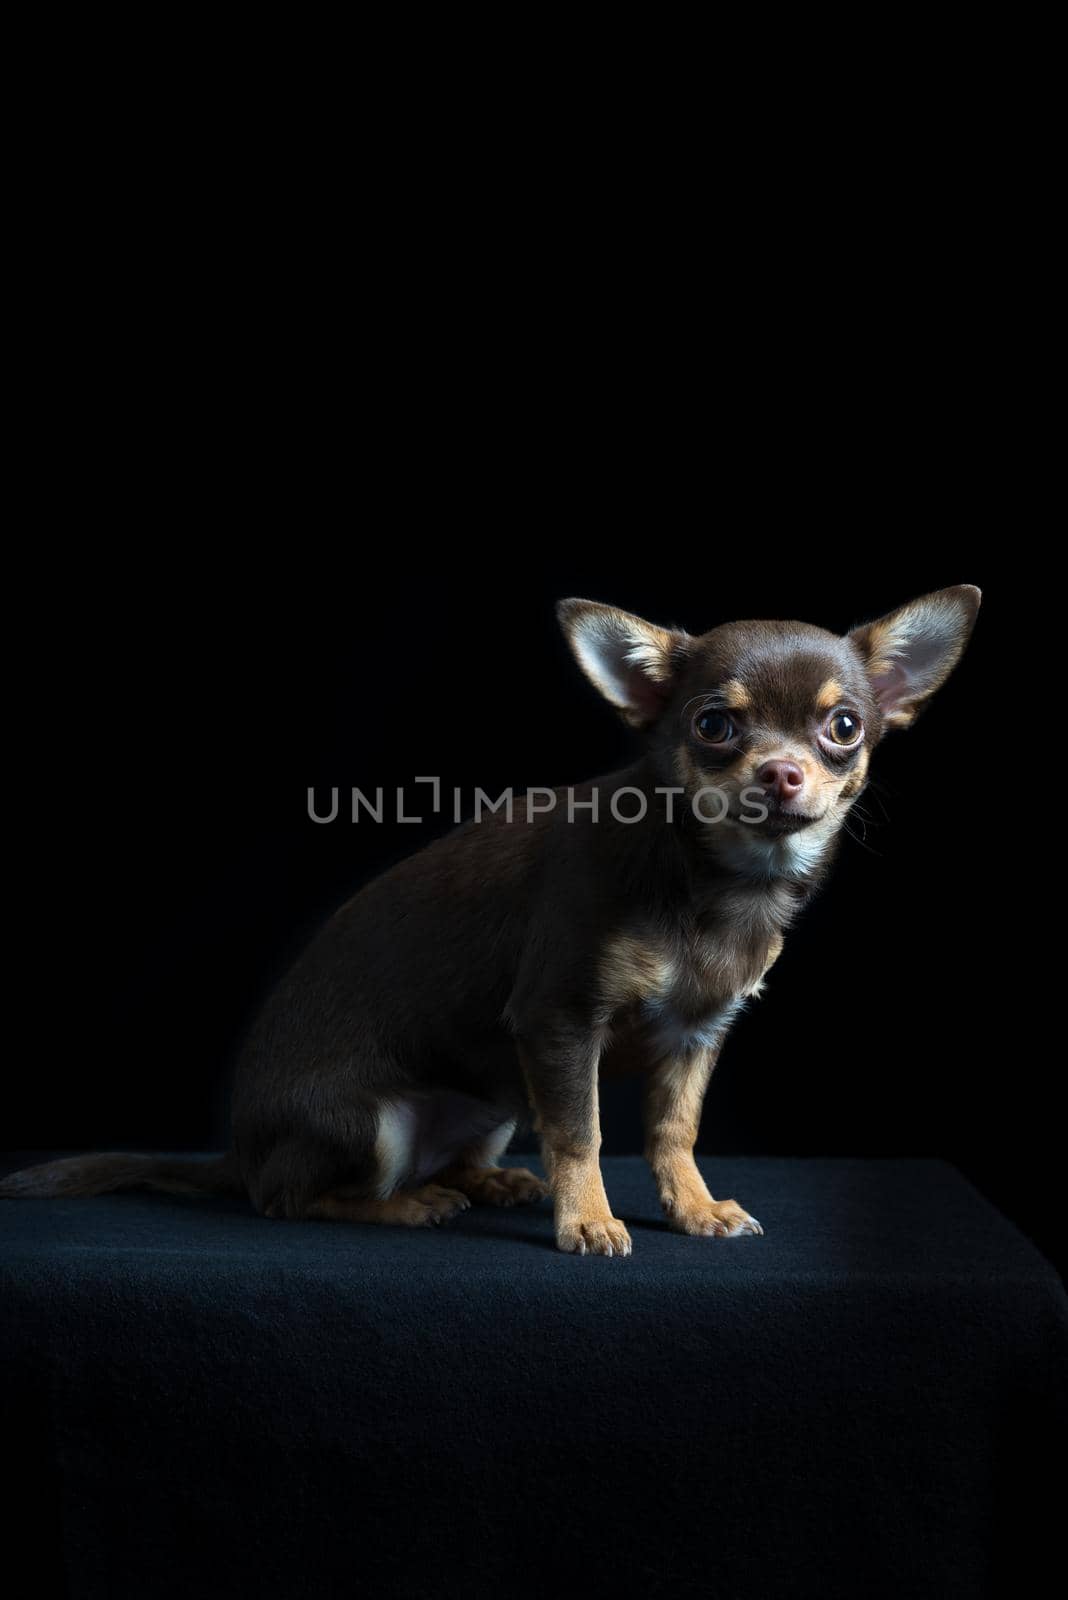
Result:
x=911 y=652
x=631 y=662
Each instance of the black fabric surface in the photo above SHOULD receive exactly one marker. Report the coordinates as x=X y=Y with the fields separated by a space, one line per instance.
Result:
x=865 y=1401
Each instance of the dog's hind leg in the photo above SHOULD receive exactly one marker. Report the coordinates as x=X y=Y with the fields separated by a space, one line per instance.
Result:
x=474 y=1172
x=424 y=1207
x=366 y=1175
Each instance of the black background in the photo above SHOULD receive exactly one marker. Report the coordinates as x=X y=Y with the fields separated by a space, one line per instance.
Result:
x=311 y=421
x=200 y=685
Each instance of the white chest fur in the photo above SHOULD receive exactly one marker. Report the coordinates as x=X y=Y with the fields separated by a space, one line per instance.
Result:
x=674 y=1032
x=685 y=994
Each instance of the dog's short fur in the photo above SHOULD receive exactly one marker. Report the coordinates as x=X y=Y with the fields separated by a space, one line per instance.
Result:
x=511 y=965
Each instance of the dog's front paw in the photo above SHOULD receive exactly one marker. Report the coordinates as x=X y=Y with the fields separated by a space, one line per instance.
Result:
x=603 y=1237
x=721 y=1219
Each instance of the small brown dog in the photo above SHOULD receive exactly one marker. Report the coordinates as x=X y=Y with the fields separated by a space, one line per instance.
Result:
x=516 y=961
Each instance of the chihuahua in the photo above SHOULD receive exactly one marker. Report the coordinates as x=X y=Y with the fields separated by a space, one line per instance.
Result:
x=508 y=967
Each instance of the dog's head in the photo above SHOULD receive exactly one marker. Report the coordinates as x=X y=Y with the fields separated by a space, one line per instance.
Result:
x=768 y=727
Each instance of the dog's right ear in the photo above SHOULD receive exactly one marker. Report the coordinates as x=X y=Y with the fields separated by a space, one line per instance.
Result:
x=633 y=663
x=910 y=652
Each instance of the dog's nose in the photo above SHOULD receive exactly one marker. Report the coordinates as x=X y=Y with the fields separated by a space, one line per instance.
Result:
x=784 y=778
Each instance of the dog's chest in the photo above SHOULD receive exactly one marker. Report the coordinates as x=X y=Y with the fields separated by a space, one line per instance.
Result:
x=681 y=992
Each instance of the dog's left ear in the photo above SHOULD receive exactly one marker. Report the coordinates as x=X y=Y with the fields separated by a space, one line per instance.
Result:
x=911 y=652
x=631 y=661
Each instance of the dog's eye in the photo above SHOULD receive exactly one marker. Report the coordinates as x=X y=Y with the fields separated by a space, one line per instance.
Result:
x=844 y=728
x=714 y=727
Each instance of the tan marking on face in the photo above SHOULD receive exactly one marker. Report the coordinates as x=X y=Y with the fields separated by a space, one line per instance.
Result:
x=736 y=696
x=855 y=782
x=685 y=771
x=829 y=695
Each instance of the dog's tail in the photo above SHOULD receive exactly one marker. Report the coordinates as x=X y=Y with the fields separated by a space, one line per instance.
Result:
x=104 y=1174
